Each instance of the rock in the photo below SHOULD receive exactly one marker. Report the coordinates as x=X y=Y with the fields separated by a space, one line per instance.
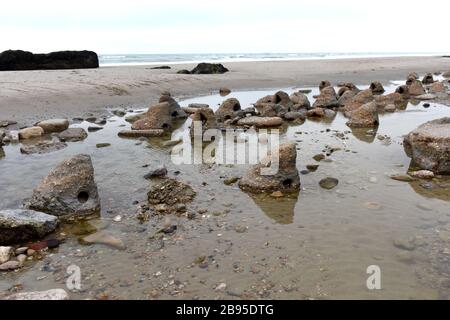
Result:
x=161 y=68
x=141 y=133
x=376 y=87
x=429 y=146
x=135 y=117
x=22 y=225
x=390 y=108
x=300 y=101
x=10 y=265
x=365 y=116
x=403 y=90
x=294 y=115
x=21 y=258
x=224 y=91
x=198 y=105
x=312 y=167
x=323 y=84
x=402 y=177
x=315 y=113
x=6 y=123
x=240 y=228
x=174 y=108
x=269 y=109
x=428 y=79
x=277 y=194
x=260 y=122
x=54 y=294
x=438 y=87
x=346 y=97
x=319 y=157
x=287 y=178
x=329 y=113
x=209 y=68
x=326 y=99
x=157 y=173
x=21 y=250
x=422 y=174
x=427 y=96
x=405 y=244
x=416 y=88
x=206 y=117
x=221 y=287
x=329 y=183
x=103 y=145
x=30 y=133
x=360 y=99
x=54 y=125
x=94 y=129
x=282 y=98
x=157 y=117
x=183 y=71
x=43 y=147
x=105 y=238
x=230 y=181
x=69 y=189
x=73 y=135
x=23 y=60
x=119 y=112
x=5 y=254
x=227 y=109
x=394 y=98
x=170 y=192
x=446 y=74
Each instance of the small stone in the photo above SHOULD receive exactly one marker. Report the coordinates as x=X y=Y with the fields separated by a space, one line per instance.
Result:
x=103 y=145
x=312 y=167
x=221 y=287
x=104 y=237
x=405 y=244
x=117 y=218
x=240 y=228
x=21 y=250
x=319 y=157
x=328 y=183
x=422 y=174
x=230 y=181
x=30 y=133
x=21 y=258
x=31 y=252
x=372 y=205
x=277 y=194
x=157 y=173
x=5 y=254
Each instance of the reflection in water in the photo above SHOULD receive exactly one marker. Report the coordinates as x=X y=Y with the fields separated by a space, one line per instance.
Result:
x=365 y=134
x=281 y=209
x=434 y=189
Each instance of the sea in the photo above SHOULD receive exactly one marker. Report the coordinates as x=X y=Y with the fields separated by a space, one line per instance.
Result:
x=161 y=59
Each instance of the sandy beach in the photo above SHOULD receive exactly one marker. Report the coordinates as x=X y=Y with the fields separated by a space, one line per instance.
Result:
x=29 y=96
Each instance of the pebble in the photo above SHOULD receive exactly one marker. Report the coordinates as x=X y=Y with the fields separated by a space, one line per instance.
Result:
x=10 y=265
x=312 y=167
x=230 y=181
x=402 y=177
x=329 y=183
x=21 y=250
x=319 y=157
x=117 y=218
x=5 y=254
x=277 y=194
x=21 y=258
x=240 y=228
x=221 y=287
x=103 y=145
x=405 y=244
x=422 y=174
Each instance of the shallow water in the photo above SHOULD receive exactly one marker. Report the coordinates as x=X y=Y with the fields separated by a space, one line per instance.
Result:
x=314 y=245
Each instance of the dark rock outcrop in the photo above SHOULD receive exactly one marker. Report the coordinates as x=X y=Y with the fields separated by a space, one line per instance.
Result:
x=209 y=68
x=12 y=60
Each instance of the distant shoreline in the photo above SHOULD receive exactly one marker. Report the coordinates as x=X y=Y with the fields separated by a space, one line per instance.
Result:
x=179 y=59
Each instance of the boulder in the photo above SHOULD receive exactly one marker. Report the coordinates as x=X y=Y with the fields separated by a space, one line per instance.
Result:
x=285 y=180
x=157 y=117
x=348 y=86
x=54 y=294
x=69 y=190
x=209 y=68
x=282 y=98
x=73 y=135
x=260 y=122
x=403 y=90
x=224 y=91
x=428 y=79
x=227 y=109
x=346 y=97
x=416 y=88
x=376 y=87
x=316 y=113
x=365 y=116
x=357 y=101
x=294 y=115
x=20 y=225
x=23 y=60
x=326 y=99
x=176 y=112
x=437 y=87
x=429 y=146
x=207 y=118
x=54 y=125
x=392 y=98
x=300 y=101
x=30 y=133
x=270 y=110
x=323 y=84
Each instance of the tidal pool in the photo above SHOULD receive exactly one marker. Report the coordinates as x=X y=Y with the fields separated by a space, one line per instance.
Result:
x=314 y=245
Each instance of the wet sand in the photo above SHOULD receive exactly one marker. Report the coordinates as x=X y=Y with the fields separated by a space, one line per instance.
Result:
x=28 y=96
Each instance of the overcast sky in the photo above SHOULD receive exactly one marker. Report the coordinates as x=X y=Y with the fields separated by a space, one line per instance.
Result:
x=208 y=26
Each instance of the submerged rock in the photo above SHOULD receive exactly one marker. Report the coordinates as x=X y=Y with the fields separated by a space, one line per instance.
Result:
x=73 y=135
x=54 y=294
x=104 y=237
x=286 y=179
x=22 y=225
x=227 y=109
x=54 y=125
x=328 y=183
x=429 y=146
x=365 y=116
x=141 y=133
x=43 y=147
x=170 y=192
x=69 y=190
